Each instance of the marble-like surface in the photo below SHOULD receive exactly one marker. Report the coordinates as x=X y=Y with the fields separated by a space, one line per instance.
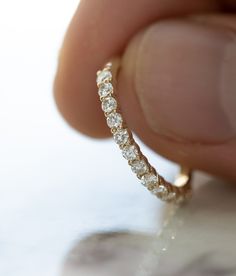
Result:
x=199 y=240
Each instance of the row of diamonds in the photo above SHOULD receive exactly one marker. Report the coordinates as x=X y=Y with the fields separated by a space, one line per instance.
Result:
x=130 y=151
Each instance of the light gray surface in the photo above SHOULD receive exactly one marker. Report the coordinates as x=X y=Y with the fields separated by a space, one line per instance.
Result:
x=199 y=240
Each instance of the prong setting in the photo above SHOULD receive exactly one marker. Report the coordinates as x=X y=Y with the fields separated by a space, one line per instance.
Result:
x=130 y=150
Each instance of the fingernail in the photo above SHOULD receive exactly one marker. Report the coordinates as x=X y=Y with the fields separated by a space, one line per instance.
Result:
x=185 y=80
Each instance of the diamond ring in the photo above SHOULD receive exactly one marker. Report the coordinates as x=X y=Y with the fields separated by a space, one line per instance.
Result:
x=145 y=172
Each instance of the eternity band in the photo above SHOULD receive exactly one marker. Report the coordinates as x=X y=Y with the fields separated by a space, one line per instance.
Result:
x=145 y=172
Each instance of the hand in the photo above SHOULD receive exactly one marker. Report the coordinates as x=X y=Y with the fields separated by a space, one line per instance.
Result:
x=177 y=84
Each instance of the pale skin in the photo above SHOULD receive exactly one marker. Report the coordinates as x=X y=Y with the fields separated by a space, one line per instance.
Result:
x=177 y=83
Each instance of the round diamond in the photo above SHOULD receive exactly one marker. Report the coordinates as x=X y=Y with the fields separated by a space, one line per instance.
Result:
x=130 y=152
x=109 y=104
x=171 y=196
x=149 y=179
x=105 y=89
x=121 y=136
x=139 y=167
x=160 y=191
x=103 y=76
x=114 y=120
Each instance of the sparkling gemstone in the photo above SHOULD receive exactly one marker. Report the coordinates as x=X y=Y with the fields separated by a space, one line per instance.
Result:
x=121 y=136
x=103 y=76
x=114 y=120
x=171 y=195
x=109 y=104
x=130 y=152
x=139 y=167
x=105 y=89
x=109 y=64
x=160 y=191
x=149 y=179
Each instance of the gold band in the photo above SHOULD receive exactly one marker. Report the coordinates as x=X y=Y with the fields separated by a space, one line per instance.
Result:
x=155 y=183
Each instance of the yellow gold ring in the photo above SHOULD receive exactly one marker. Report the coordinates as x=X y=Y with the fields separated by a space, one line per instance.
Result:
x=155 y=183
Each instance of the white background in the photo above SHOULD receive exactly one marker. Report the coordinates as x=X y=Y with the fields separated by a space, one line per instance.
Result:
x=54 y=185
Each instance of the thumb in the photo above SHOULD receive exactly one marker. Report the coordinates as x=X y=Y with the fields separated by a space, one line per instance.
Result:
x=180 y=91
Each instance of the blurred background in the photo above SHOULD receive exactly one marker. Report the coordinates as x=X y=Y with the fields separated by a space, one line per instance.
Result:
x=56 y=187
x=48 y=195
